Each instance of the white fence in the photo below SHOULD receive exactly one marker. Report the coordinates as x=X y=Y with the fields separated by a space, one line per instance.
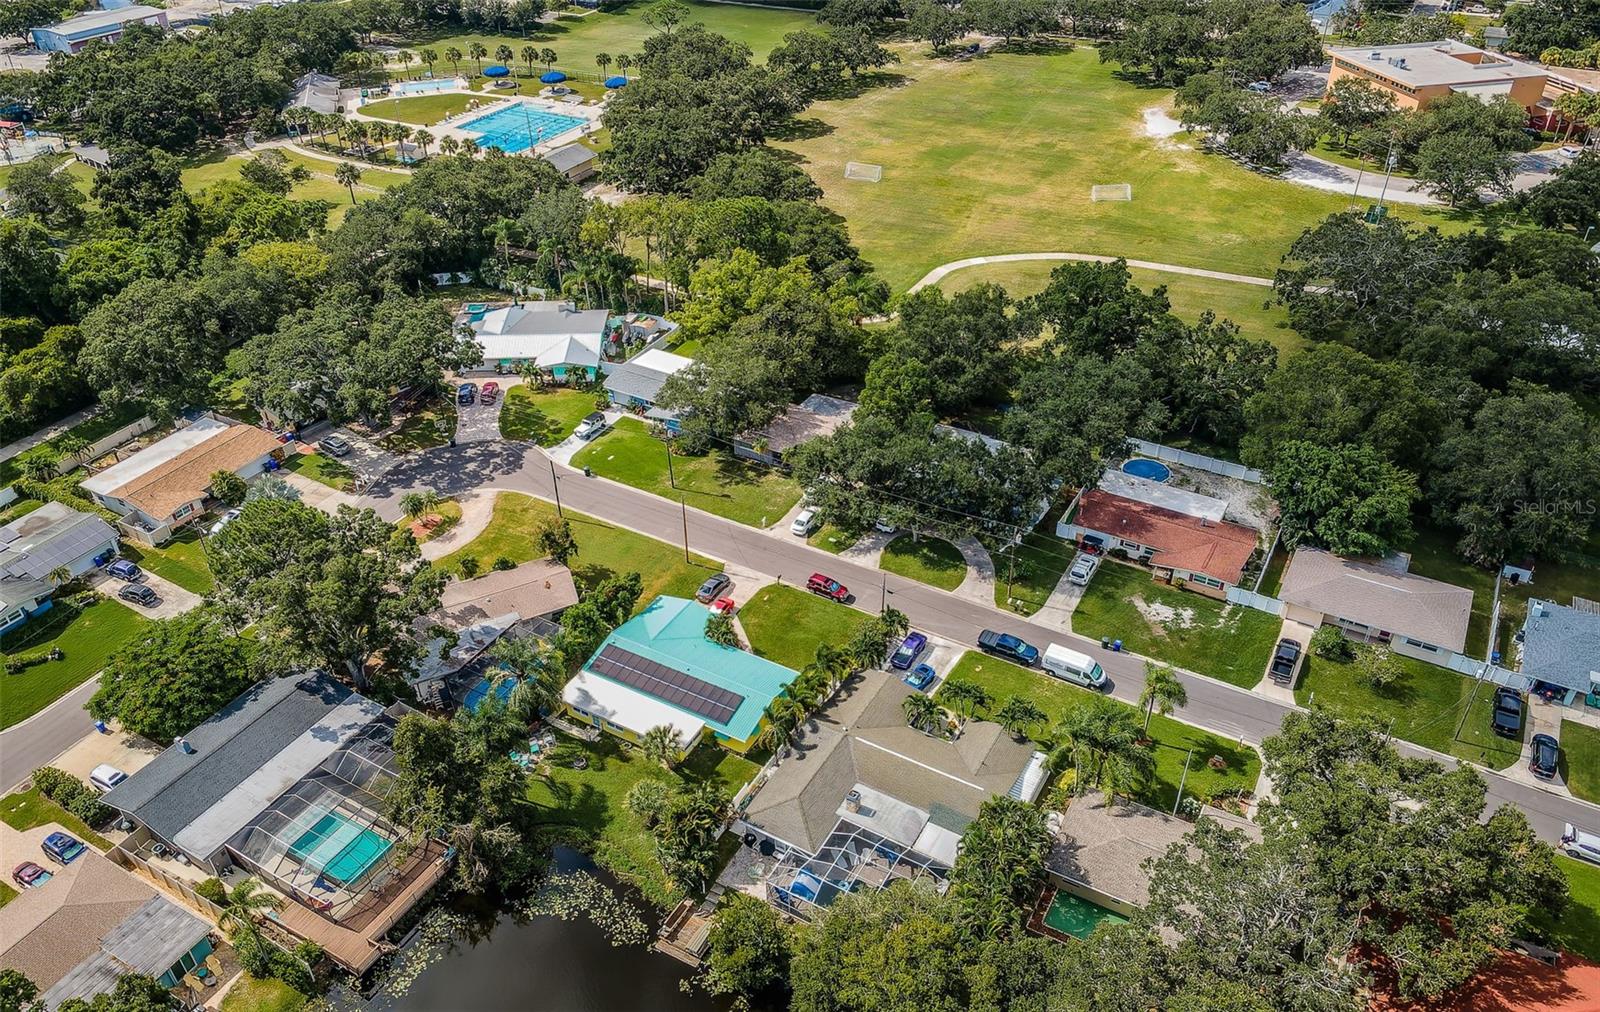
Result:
x=1198 y=461
x=107 y=443
x=8 y=495
x=1251 y=599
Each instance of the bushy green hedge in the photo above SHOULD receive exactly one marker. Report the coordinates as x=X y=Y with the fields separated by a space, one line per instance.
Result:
x=72 y=794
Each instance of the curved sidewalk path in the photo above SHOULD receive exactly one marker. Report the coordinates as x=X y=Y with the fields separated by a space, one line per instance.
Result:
x=939 y=273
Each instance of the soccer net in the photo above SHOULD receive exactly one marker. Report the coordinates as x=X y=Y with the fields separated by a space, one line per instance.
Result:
x=864 y=171
x=1111 y=191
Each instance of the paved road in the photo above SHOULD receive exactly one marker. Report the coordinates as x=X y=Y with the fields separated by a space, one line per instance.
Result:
x=1226 y=710
x=45 y=735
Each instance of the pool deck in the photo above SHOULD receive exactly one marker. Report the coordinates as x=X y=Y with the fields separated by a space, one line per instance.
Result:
x=493 y=102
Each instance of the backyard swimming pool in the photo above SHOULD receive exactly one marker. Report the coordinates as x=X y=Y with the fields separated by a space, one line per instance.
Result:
x=1144 y=467
x=519 y=126
x=1075 y=916
x=339 y=849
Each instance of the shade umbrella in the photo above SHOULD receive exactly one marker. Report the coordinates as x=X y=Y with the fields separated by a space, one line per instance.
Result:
x=616 y=82
x=552 y=77
x=498 y=70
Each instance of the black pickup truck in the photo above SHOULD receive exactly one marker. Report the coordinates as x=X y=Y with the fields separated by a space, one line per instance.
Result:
x=1008 y=646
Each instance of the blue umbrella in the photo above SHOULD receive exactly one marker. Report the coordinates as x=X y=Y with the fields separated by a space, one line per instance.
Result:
x=616 y=82
x=552 y=77
x=498 y=70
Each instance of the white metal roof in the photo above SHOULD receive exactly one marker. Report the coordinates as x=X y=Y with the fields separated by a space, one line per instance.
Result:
x=154 y=455
x=628 y=708
x=548 y=334
x=1159 y=493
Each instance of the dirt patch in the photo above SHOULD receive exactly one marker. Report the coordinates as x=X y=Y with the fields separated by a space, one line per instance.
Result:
x=1160 y=126
x=1163 y=617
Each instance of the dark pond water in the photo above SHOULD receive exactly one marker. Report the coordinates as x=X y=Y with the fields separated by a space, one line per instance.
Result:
x=549 y=964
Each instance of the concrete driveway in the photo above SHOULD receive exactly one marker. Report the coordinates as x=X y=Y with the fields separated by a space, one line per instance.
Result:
x=174 y=600
x=317 y=495
x=479 y=422
x=1301 y=634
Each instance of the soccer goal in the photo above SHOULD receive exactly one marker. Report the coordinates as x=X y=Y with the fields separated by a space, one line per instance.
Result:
x=1111 y=191
x=864 y=171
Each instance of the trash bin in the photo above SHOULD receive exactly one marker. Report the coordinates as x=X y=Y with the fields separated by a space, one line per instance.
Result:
x=1116 y=646
x=100 y=726
x=1105 y=643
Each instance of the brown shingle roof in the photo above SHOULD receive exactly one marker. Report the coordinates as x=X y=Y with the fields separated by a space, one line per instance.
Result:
x=1379 y=597
x=1216 y=549
x=532 y=589
x=185 y=477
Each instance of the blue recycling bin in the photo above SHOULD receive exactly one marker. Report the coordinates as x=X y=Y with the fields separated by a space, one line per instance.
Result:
x=1116 y=646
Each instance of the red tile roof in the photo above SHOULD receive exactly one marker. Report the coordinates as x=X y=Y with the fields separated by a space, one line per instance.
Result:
x=1516 y=983
x=1217 y=550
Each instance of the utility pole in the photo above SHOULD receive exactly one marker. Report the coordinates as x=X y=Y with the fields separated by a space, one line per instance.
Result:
x=685 y=508
x=555 y=483
x=1011 y=572
x=1388 y=170
x=883 y=596
x=1182 y=780
x=671 y=478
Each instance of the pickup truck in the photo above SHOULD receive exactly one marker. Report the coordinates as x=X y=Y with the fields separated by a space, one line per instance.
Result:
x=1008 y=646
x=828 y=587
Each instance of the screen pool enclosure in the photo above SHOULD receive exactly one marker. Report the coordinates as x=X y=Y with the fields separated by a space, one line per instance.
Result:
x=519 y=126
x=1144 y=467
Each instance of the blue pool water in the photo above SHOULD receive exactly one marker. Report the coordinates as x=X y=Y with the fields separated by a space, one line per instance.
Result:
x=339 y=849
x=421 y=87
x=1144 y=467
x=519 y=126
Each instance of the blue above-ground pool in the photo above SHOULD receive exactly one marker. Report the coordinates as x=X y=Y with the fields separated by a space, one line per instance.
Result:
x=1144 y=467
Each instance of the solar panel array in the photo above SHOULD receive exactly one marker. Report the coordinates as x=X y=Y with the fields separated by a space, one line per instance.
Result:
x=64 y=549
x=696 y=695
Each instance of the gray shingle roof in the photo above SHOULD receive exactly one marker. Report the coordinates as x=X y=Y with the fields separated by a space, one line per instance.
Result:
x=569 y=156
x=1380 y=597
x=635 y=381
x=1561 y=645
x=149 y=941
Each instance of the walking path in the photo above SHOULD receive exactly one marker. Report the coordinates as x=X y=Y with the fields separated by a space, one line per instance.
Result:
x=939 y=273
x=978 y=586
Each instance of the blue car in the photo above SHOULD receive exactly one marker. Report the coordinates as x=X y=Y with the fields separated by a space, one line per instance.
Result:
x=921 y=676
x=122 y=569
x=61 y=848
x=906 y=656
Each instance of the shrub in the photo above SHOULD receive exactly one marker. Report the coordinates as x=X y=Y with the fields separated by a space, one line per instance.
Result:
x=504 y=563
x=88 y=807
x=253 y=953
x=291 y=971
x=1378 y=666
x=58 y=785
x=469 y=567
x=213 y=890
x=1330 y=644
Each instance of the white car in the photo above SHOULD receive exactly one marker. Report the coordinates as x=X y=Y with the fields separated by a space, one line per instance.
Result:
x=592 y=425
x=1579 y=844
x=104 y=777
x=1083 y=568
x=227 y=518
x=882 y=525
x=1569 y=151
x=1259 y=87
x=805 y=524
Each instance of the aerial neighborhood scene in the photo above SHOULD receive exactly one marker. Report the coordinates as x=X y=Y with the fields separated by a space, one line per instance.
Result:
x=825 y=505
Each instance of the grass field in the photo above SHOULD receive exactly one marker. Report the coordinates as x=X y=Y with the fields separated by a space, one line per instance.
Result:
x=181 y=560
x=1580 y=744
x=1173 y=739
x=99 y=631
x=786 y=624
x=428 y=426
x=933 y=561
x=7 y=894
x=421 y=110
x=1425 y=705
x=997 y=155
x=1229 y=642
x=1230 y=300
x=28 y=809
x=718 y=482
x=603 y=550
x=546 y=417
x=328 y=470
x=1578 y=930
x=831 y=539
x=1027 y=576
x=255 y=994
x=217 y=165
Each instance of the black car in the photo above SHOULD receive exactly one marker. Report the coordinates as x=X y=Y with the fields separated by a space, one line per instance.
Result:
x=1507 y=719
x=1546 y=757
x=713 y=587
x=467 y=393
x=1283 y=661
x=1009 y=646
x=138 y=593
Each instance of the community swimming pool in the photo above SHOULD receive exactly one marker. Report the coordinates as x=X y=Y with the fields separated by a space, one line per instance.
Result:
x=339 y=849
x=519 y=126
x=422 y=87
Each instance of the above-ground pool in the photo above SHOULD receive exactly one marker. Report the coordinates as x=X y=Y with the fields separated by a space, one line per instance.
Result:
x=1144 y=467
x=519 y=126
x=1076 y=916
x=422 y=87
x=338 y=849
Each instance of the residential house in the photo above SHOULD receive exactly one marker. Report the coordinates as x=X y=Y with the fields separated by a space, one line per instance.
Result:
x=1416 y=74
x=635 y=384
x=36 y=547
x=1380 y=602
x=575 y=161
x=817 y=415
x=1560 y=647
x=1198 y=553
x=90 y=924
x=288 y=782
x=166 y=485
x=862 y=800
x=73 y=34
x=658 y=668
x=554 y=336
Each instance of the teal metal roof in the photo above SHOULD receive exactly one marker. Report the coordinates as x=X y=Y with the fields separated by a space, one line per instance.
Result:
x=671 y=632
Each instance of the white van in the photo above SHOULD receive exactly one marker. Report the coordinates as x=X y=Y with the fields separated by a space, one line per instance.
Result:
x=1071 y=666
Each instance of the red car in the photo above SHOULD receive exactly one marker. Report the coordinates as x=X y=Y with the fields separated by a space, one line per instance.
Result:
x=723 y=606
x=828 y=587
x=27 y=875
x=490 y=391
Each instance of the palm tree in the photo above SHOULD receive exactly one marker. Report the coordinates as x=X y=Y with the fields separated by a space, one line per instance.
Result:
x=1103 y=738
x=624 y=61
x=1163 y=692
x=921 y=712
x=449 y=145
x=41 y=463
x=454 y=56
x=547 y=56
x=832 y=663
x=469 y=147
x=347 y=175
x=660 y=744
x=430 y=57
x=419 y=504
x=477 y=51
x=968 y=693
x=402 y=133
x=244 y=901
x=602 y=60
x=503 y=54
x=422 y=138
x=406 y=58
x=1019 y=712
x=530 y=54
x=59 y=575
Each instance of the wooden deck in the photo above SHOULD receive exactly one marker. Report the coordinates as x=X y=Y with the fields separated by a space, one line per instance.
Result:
x=685 y=934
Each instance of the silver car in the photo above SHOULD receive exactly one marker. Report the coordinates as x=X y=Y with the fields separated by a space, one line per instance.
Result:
x=1083 y=568
x=1579 y=844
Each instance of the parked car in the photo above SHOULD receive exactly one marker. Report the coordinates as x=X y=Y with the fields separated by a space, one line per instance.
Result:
x=1569 y=151
x=910 y=648
x=921 y=676
x=490 y=391
x=883 y=526
x=1546 y=757
x=1075 y=667
x=139 y=594
x=1582 y=845
x=805 y=523
x=338 y=446
x=467 y=393
x=1007 y=645
x=713 y=586
x=828 y=587
x=122 y=569
x=105 y=776
x=1083 y=568
x=29 y=875
x=1259 y=87
x=1507 y=718
x=722 y=606
x=62 y=848
x=1090 y=544
x=592 y=425
x=1284 y=659
x=223 y=521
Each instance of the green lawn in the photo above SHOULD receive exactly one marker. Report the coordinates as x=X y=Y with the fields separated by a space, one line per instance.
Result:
x=7 y=894
x=1025 y=579
x=1229 y=642
x=787 y=624
x=318 y=467
x=603 y=550
x=1173 y=739
x=428 y=426
x=1580 y=744
x=107 y=421
x=717 y=482
x=998 y=156
x=421 y=110
x=181 y=560
x=28 y=809
x=217 y=165
x=449 y=514
x=1425 y=706
x=98 y=631
x=831 y=539
x=255 y=994
x=927 y=560
x=591 y=800
x=1578 y=930
x=544 y=416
